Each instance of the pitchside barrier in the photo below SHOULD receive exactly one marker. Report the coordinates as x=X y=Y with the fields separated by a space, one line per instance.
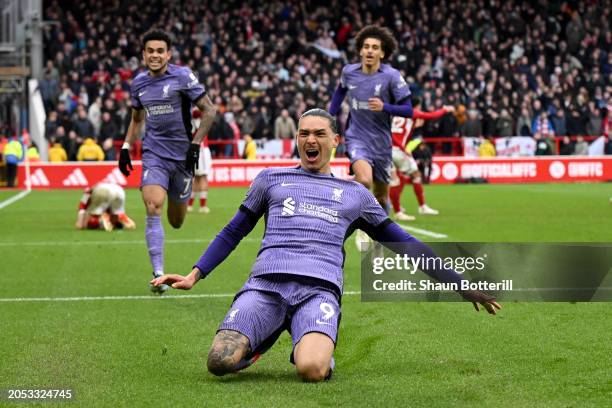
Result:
x=231 y=173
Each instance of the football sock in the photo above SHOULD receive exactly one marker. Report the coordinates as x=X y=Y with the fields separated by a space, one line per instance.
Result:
x=154 y=234
x=418 y=191
x=394 y=196
x=203 y=197
x=191 y=198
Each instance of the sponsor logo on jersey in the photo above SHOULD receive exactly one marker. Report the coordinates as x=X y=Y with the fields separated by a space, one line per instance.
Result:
x=288 y=207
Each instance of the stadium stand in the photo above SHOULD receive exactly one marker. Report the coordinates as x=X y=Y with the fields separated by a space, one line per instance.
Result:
x=503 y=65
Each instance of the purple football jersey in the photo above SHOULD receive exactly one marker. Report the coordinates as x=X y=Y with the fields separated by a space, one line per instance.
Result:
x=372 y=129
x=307 y=218
x=167 y=101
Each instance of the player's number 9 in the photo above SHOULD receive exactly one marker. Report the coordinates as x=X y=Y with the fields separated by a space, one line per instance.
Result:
x=328 y=310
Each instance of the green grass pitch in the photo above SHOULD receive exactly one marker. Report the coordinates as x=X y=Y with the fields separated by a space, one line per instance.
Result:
x=152 y=352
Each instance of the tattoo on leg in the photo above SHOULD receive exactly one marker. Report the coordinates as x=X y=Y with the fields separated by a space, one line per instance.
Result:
x=228 y=348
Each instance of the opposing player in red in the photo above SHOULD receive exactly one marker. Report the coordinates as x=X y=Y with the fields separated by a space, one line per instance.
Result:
x=405 y=166
x=200 y=179
x=103 y=207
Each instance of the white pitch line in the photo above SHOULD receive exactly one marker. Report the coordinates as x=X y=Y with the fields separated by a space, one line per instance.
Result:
x=125 y=242
x=425 y=232
x=11 y=200
x=139 y=297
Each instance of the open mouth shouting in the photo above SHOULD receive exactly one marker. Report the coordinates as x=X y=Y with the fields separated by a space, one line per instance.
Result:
x=312 y=154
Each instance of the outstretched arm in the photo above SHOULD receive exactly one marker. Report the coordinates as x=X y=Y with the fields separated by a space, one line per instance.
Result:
x=224 y=243
x=336 y=101
x=399 y=241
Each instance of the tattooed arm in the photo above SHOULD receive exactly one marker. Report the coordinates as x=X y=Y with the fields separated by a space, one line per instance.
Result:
x=209 y=110
x=228 y=348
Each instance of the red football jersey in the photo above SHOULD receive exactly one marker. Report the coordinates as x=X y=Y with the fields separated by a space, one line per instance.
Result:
x=402 y=128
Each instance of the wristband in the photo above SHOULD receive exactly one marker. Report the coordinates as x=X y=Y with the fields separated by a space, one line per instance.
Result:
x=126 y=145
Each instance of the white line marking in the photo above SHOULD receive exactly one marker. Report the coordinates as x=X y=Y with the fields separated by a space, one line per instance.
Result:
x=11 y=200
x=141 y=297
x=124 y=242
x=423 y=232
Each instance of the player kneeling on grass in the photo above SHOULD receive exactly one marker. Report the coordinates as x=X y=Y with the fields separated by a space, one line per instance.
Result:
x=297 y=279
x=103 y=207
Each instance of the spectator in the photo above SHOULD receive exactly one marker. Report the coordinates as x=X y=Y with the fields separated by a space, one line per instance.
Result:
x=231 y=121
x=90 y=151
x=94 y=114
x=220 y=133
x=32 y=153
x=608 y=145
x=593 y=126
x=543 y=147
x=57 y=154
x=13 y=154
x=542 y=125
x=51 y=125
x=523 y=125
x=284 y=126
x=575 y=123
x=82 y=126
x=503 y=126
x=49 y=90
x=582 y=147
x=567 y=146
x=486 y=148
x=558 y=122
x=250 y=148
x=71 y=144
x=108 y=134
x=473 y=125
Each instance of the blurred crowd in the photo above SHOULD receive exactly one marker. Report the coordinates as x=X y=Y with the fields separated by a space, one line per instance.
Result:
x=509 y=68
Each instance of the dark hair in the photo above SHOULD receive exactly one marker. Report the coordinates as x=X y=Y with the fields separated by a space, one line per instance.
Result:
x=156 y=35
x=324 y=114
x=387 y=41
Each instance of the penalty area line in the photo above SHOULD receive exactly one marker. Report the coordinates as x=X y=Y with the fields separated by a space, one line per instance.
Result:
x=137 y=297
x=13 y=199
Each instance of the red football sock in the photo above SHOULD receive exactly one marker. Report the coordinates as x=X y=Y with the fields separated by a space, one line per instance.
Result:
x=203 y=197
x=394 y=195
x=190 y=202
x=418 y=192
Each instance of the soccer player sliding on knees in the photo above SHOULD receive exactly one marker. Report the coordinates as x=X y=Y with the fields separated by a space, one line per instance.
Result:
x=297 y=279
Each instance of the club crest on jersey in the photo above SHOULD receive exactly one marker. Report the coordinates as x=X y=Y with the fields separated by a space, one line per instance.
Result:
x=165 y=91
x=337 y=195
x=377 y=89
x=288 y=207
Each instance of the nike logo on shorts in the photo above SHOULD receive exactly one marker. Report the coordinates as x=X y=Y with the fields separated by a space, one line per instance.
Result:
x=322 y=322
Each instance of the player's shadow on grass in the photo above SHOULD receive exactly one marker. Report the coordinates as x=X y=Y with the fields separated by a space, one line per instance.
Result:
x=263 y=376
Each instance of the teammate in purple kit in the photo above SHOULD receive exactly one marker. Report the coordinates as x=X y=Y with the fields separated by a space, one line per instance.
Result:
x=297 y=279
x=376 y=92
x=162 y=96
